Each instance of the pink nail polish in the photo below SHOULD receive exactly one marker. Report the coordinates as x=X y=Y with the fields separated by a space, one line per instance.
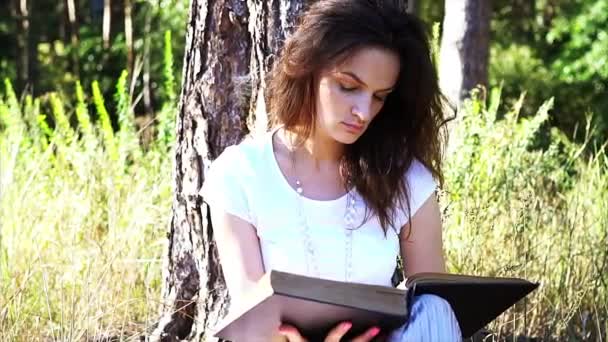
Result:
x=375 y=331
x=347 y=325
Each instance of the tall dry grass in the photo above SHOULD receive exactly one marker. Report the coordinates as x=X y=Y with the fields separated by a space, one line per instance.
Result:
x=83 y=217
x=522 y=200
x=84 y=210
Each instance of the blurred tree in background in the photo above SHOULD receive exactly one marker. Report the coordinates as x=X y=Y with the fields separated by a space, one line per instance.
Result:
x=544 y=48
x=84 y=205
x=65 y=42
x=548 y=48
x=554 y=48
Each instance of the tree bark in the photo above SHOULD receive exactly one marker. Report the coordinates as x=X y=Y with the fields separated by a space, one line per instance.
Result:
x=26 y=47
x=230 y=46
x=71 y=6
x=464 y=47
x=413 y=7
x=129 y=36
x=107 y=21
x=147 y=89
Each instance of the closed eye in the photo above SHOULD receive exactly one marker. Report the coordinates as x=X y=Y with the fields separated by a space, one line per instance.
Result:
x=345 y=88
x=380 y=98
x=349 y=89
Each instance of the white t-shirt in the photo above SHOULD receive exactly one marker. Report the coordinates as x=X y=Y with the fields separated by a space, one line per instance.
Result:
x=245 y=181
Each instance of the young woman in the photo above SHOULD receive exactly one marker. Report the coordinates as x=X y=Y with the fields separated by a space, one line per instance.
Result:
x=345 y=179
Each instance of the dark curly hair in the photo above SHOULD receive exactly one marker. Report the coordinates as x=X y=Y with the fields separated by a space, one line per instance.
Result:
x=410 y=125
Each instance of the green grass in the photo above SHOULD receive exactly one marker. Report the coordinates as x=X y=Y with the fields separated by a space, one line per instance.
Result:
x=522 y=200
x=84 y=212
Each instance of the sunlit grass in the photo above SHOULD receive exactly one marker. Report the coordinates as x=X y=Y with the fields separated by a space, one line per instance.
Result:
x=83 y=225
x=521 y=200
x=84 y=213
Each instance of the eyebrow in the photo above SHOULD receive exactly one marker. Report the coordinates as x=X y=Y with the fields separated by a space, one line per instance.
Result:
x=353 y=76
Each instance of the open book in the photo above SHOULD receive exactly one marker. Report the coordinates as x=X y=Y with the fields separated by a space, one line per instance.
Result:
x=315 y=305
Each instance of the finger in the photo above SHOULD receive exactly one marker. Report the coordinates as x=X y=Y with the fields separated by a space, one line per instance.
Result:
x=338 y=332
x=291 y=332
x=368 y=335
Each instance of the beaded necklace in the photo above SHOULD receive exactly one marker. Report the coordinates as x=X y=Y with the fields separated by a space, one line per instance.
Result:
x=349 y=220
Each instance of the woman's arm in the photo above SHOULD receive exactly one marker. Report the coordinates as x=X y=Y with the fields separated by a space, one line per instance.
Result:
x=431 y=317
x=239 y=252
x=421 y=240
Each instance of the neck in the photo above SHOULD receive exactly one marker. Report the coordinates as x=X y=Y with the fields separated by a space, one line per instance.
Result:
x=319 y=148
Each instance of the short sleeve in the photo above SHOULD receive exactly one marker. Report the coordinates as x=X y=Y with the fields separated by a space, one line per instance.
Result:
x=421 y=185
x=224 y=186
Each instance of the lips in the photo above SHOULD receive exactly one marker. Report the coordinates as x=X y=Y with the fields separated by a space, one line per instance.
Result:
x=353 y=127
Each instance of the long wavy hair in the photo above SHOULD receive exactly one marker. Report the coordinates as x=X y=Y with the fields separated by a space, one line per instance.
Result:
x=411 y=123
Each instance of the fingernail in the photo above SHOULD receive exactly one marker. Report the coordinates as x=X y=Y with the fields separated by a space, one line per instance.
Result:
x=346 y=325
x=375 y=331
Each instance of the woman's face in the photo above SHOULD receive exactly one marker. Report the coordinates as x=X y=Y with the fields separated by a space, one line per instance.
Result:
x=351 y=94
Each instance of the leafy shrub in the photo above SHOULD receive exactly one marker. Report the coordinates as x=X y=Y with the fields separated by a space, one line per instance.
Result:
x=512 y=209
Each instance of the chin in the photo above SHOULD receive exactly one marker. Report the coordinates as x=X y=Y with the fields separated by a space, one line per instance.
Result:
x=346 y=138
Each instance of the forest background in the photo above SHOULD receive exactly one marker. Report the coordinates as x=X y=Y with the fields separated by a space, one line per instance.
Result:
x=87 y=116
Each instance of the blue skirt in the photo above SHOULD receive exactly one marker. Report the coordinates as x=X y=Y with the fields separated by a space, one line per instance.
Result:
x=431 y=320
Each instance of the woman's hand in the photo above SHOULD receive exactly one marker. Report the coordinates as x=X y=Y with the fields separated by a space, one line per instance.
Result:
x=335 y=335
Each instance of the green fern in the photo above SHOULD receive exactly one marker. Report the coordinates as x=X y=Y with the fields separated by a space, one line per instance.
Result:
x=62 y=124
x=123 y=103
x=82 y=116
x=30 y=116
x=11 y=116
x=104 y=118
x=4 y=113
x=168 y=68
x=166 y=117
x=127 y=139
x=11 y=97
x=435 y=44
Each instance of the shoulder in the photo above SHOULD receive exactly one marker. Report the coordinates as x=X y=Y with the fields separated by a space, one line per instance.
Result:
x=418 y=174
x=244 y=156
x=230 y=180
x=420 y=185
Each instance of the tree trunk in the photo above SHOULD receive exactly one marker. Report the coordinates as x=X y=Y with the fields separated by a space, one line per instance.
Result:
x=62 y=27
x=229 y=48
x=71 y=6
x=24 y=44
x=464 y=47
x=32 y=46
x=413 y=7
x=107 y=21
x=147 y=89
x=129 y=36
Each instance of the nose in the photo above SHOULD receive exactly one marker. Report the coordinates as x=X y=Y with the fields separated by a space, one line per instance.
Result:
x=362 y=108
